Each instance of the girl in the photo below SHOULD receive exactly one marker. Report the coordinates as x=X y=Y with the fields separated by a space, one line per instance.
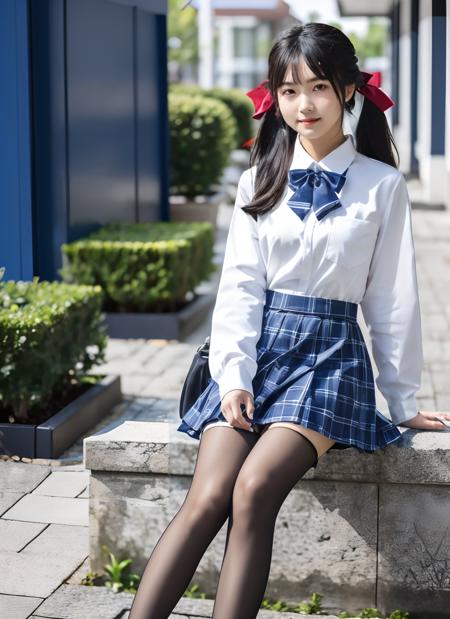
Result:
x=321 y=224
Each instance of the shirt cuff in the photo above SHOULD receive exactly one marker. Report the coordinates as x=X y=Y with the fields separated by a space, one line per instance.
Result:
x=235 y=378
x=403 y=410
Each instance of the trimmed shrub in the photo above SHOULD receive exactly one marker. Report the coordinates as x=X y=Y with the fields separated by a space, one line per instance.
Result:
x=203 y=132
x=142 y=267
x=238 y=102
x=241 y=107
x=51 y=334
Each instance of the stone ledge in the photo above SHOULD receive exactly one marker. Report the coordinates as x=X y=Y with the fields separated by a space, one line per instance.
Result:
x=420 y=457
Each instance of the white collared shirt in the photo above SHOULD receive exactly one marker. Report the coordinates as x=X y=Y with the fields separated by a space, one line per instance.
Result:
x=362 y=252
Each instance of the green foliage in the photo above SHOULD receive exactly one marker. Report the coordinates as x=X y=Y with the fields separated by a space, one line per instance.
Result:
x=118 y=577
x=238 y=102
x=182 y=25
x=51 y=334
x=90 y=579
x=193 y=592
x=203 y=132
x=241 y=107
x=143 y=267
x=311 y=607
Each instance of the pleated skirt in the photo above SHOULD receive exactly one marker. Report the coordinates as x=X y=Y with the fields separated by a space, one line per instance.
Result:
x=314 y=369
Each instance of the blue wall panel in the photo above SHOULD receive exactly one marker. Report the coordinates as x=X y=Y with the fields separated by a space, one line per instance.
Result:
x=16 y=247
x=100 y=119
x=100 y=114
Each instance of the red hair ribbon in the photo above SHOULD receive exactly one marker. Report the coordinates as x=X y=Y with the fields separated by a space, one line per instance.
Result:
x=262 y=99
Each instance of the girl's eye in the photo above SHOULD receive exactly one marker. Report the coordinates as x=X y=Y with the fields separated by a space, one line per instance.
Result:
x=289 y=90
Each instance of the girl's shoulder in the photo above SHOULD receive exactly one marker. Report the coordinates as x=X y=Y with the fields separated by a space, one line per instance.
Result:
x=375 y=172
x=246 y=185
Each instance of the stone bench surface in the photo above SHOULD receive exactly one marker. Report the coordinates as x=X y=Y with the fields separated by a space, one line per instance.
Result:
x=419 y=457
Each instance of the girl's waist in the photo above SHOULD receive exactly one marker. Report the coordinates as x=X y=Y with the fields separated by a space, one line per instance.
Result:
x=306 y=304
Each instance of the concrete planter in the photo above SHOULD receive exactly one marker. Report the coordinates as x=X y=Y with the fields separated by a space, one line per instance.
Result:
x=50 y=438
x=200 y=208
x=364 y=530
x=169 y=325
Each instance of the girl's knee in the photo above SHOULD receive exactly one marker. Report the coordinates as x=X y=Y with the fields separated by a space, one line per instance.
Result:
x=250 y=494
x=212 y=500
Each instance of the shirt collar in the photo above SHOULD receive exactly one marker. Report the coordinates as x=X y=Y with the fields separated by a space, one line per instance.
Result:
x=337 y=160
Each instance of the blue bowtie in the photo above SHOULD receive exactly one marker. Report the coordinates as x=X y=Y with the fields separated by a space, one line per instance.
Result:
x=316 y=188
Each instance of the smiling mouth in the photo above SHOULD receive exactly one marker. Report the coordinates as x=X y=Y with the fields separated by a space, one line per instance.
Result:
x=309 y=120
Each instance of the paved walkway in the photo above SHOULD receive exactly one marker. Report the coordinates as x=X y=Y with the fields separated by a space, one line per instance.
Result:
x=44 y=504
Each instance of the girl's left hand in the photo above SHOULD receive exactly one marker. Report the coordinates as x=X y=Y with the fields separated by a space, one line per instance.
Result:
x=427 y=420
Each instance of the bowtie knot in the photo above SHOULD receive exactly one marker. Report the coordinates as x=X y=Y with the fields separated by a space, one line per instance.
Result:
x=315 y=188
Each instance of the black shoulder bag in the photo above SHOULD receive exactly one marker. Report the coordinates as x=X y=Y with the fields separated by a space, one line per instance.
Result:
x=197 y=378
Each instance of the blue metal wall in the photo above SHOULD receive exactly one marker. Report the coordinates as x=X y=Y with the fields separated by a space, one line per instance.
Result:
x=15 y=183
x=99 y=122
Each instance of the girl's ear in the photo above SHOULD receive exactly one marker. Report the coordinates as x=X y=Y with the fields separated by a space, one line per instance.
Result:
x=349 y=90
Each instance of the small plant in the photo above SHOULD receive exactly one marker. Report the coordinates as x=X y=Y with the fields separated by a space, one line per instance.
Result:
x=278 y=605
x=119 y=578
x=369 y=613
x=90 y=579
x=193 y=592
x=311 y=607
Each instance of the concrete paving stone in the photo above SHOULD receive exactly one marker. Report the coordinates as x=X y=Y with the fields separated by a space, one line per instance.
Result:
x=443 y=402
x=73 y=539
x=64 y=484
x=8 y=499
x=441 y=381
x=46 y=562
x=17 y=476
x=36 y=575
x=17 y=607
x=81 y=602
x=79 y=573
x=56 y=510
x=15 y=535
x=133 y=384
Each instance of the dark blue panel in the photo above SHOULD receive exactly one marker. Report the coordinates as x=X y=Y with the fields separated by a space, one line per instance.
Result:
x=150 y=125
x=15 y=179
x=100 y=114
x=49 y=135
x=414 y=33
x=438 y=47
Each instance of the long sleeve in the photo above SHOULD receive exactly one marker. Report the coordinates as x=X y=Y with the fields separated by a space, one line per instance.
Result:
x=391 y=307
x=237 y=315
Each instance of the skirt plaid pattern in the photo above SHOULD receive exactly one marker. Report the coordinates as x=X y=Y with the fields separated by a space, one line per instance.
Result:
x=313 y=368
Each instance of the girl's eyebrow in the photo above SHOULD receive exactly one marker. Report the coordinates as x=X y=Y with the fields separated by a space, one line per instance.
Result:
x=312 y=79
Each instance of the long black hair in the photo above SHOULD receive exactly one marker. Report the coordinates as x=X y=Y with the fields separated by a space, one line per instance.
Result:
x=330 y=55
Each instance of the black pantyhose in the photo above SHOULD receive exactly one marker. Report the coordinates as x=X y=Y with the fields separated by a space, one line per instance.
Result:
x=241 y=475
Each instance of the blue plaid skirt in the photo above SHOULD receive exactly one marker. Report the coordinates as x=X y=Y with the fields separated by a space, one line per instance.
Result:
x=313 y=368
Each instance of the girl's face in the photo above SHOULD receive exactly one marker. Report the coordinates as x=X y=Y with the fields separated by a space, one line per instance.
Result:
x=312 y=98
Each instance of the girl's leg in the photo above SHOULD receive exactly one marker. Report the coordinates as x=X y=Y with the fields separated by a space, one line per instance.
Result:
x=321 y=443
x=206 y=507
x=279 y=459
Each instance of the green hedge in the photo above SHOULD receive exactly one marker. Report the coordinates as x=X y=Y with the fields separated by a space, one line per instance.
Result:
x=238 y=102
x=143 y=267
x=203 y=133
x=241 y=107
x=51 y=334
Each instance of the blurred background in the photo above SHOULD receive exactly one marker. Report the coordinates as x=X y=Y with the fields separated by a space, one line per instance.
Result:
x=84 y=113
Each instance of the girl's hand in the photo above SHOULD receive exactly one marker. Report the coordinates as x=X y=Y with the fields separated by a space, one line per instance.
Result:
x=231 y=408
x=427 y=420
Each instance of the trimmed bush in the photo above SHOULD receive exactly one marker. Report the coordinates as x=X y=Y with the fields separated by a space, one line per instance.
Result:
x=241 y=107
x=51 y=334
x=238 y=102
x=203 y=132
x=142 y=267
